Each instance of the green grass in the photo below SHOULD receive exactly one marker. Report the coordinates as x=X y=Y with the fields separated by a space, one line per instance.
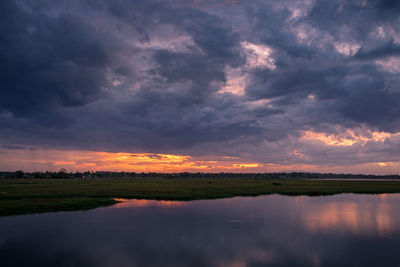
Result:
x=37 y=205
x=22 y=196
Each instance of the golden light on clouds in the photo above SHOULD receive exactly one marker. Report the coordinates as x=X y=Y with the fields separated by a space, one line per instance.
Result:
x=258 y=55
x=347 y=138
x=236 y=82
x=62 y=163
x=244 y=165
x=298 y=159
x=75 y=160
x=389 y=164
x=332 y=140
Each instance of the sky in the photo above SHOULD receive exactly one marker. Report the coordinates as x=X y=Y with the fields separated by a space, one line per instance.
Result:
x=200 y=86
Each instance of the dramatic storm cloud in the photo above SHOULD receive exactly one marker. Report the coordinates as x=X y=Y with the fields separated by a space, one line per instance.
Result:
x=265 y=85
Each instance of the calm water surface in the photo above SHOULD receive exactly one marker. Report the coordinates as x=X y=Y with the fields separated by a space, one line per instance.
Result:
x=341 y=230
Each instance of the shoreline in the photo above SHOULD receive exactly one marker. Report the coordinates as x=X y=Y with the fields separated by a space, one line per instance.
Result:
x=27 y=196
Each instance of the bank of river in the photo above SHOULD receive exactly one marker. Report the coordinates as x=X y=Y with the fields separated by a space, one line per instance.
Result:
x=23 y=196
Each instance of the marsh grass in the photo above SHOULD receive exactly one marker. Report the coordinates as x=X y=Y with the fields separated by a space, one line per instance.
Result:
x=22 y=196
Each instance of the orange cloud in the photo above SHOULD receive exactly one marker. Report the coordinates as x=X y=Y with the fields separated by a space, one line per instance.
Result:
x=58 y=163
x=39 y=160
x=77 y=160
x=347 y=138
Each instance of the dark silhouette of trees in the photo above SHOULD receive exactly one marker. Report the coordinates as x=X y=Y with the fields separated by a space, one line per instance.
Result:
x=64 y=174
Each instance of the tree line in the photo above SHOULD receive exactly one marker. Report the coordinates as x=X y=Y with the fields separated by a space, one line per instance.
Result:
x=64 y=174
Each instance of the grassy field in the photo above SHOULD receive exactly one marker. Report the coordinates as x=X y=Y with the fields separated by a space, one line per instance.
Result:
x=22 y=196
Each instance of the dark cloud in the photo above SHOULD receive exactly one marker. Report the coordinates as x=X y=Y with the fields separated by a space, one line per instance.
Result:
x=354 y=19
x=151 y=76
x=182 y=67
x=386 y=50
x=16 y=147
x=272 y=28
x=353 y=91
x=357 y=91
x=387 y=8
x=49 y=62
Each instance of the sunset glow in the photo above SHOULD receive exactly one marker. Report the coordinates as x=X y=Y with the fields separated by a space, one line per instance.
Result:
x=201 y=85
x=76 y=160
x=34 y=160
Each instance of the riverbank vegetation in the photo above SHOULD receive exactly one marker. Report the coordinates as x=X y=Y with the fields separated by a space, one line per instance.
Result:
x=22 y=196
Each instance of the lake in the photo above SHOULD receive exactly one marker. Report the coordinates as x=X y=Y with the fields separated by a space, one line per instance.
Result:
x=273 y=230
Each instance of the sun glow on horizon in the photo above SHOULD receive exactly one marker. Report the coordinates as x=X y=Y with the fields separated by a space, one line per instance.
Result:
x=75 y=160
x=27 y=158
x=37 y=159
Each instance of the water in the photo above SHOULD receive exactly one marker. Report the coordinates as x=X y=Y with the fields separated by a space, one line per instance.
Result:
x=341 y=230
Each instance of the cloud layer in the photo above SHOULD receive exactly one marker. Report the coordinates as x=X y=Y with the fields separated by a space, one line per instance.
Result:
x=268 y=82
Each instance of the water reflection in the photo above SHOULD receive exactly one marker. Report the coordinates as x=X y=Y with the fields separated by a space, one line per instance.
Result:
x=362 y=217
x=342 y=230
x=126 y=203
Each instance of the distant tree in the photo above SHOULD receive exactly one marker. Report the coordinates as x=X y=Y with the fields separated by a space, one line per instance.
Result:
x=62 y=173
x=19 y=174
